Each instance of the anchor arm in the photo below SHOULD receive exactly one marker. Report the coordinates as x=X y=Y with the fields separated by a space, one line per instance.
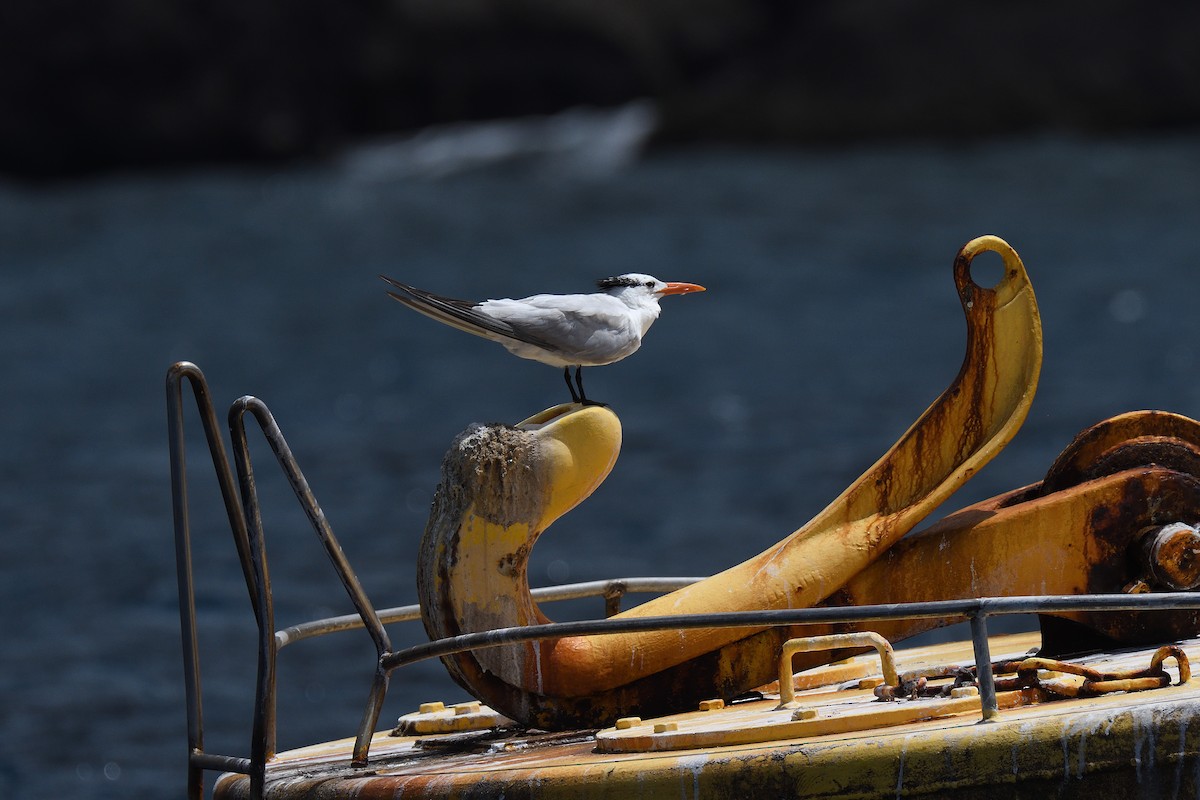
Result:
x=471 y=575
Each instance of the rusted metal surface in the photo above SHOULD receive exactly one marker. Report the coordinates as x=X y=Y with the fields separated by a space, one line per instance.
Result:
x=1133 y=439
x=1095 y=682
x=474 y=554
x=1171 y=555
x=916 y=683
x=1141 y=745
x=501 y=488
x=1128 y=525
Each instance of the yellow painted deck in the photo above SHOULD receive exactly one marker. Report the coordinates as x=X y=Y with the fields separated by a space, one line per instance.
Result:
x=1140 y=744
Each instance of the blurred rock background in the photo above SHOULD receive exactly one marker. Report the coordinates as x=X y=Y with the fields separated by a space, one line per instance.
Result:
x=139 y=83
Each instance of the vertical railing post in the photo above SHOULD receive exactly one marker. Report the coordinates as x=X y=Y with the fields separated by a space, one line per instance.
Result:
x=184 y=579
x=183 y=543
x=262 y=742
x=366 y=729
x=983 y=665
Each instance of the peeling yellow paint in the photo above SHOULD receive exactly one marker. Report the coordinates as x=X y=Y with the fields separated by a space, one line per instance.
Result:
x=1144 y=744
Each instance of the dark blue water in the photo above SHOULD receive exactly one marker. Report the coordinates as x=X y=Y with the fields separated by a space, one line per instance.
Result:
x=830 y=323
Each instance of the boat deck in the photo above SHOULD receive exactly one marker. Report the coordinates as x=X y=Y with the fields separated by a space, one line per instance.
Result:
x=837 y=740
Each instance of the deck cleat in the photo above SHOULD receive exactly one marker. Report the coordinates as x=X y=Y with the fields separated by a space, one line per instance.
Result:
x=437 y=717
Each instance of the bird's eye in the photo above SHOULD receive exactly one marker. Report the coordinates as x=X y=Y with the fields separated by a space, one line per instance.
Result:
x=649 y=284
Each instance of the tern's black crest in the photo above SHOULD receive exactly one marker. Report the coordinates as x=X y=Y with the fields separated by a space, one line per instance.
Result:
x=612 y=283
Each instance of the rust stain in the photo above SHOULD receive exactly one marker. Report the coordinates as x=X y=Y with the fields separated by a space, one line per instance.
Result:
x=1137 y=438
x=1093 y=747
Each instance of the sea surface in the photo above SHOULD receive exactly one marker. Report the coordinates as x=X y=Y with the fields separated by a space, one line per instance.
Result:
x=830 y=323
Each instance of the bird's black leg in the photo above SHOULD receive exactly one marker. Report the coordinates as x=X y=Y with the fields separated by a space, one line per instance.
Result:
x=583 y=397
x=570 y=386
x=579 y=383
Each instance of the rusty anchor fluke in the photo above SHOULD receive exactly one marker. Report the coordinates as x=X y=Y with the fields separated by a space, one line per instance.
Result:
x=502 y=487
x=1117 y=512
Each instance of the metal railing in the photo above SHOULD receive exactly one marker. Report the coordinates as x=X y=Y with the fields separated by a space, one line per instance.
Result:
x=239 y=493
x=242 y=509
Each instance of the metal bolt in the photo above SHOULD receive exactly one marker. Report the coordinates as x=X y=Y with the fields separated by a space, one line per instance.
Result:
x=1171 y=553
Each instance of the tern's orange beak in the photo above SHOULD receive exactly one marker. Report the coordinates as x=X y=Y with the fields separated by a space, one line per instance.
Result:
x=680 y=288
